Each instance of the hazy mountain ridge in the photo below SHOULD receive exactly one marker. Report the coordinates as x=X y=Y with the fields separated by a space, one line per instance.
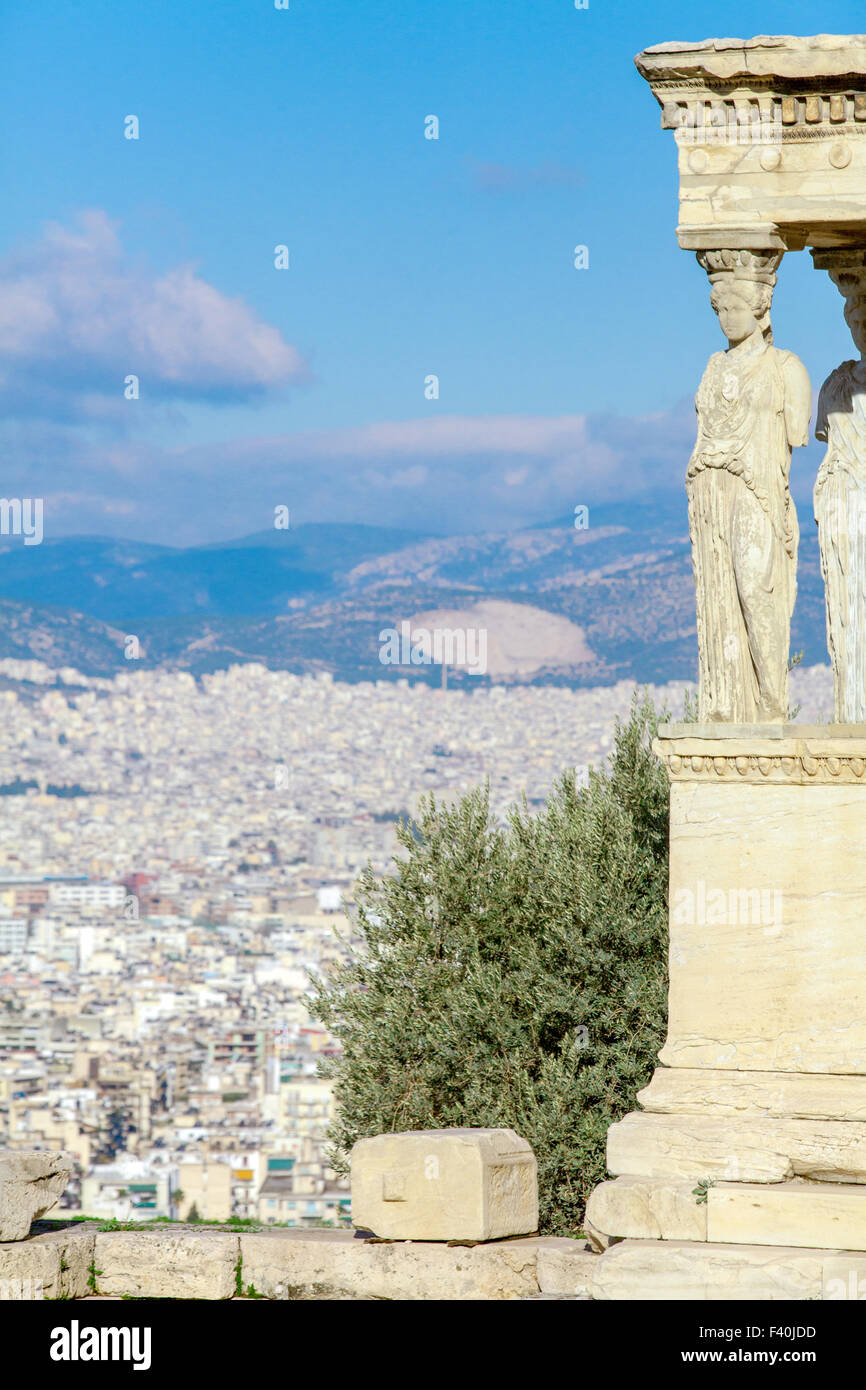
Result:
x=317 y=598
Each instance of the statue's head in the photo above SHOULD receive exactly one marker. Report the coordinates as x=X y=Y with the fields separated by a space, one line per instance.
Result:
x=855 y=311
x=743 y=306
x=742 y=290
x=846 y=267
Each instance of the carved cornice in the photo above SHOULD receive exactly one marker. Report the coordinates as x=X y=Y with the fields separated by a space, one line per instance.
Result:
x=770 y=138
x=779 y=58
x=791 y=761
x=758 y=114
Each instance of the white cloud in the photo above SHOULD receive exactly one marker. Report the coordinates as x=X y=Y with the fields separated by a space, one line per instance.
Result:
x=76 y=318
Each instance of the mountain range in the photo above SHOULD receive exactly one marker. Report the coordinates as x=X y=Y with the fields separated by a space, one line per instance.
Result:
x=316 y=598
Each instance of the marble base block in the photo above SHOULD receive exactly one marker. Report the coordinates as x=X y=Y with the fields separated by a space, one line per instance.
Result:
x=745 y=1174
x=767 y=899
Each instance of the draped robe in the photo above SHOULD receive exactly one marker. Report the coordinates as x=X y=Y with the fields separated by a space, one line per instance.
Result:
x=840 y=511
x=753 y=405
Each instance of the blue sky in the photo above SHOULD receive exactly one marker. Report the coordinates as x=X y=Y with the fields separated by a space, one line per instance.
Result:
x=409 y=256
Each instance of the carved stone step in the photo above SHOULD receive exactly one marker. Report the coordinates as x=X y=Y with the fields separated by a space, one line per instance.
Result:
x=814 y=1215
x=736 y=1149
x=779 y=1095
x=647 y=1209
x=662 y=1271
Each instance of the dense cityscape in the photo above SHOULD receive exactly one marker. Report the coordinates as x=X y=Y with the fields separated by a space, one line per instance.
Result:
x=176 y=859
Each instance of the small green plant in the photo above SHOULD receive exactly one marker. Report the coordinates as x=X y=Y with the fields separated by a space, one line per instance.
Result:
x=239 y=1286
x=703 y=1187
x=92 y=1275
x=794 y=660
x=690 y=707
x=252 y=1292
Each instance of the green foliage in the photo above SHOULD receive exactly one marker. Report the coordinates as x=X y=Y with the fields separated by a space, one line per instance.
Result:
x=513 y=975
x=794 y=660
x=700 y=1192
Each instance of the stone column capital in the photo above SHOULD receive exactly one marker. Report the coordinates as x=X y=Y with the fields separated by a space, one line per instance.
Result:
x=846 y=266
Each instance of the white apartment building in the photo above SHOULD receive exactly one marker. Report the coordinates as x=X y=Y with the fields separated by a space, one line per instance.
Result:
x=13 y=936
x=89 y=896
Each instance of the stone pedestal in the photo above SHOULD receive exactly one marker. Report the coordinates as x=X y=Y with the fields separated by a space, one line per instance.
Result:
x=753 y=1131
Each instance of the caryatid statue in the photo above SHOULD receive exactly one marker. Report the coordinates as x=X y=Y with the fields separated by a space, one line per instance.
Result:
x=840 y=495
x=753 y=407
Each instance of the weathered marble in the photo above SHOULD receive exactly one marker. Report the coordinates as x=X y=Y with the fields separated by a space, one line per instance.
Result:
x=171 y=1263
x=327 y=1264
x=445 y=1184
x=753 y=407
x=647 y=1209
x=766 y=916
x=769 y=134
x=840 y=493
x=779 y=1095
x=30 y=1185
x=694 y=1271
x=736 y=1148
x=816 y=1215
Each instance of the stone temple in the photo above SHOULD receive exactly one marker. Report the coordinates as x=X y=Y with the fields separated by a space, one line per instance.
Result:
x=743 y=1176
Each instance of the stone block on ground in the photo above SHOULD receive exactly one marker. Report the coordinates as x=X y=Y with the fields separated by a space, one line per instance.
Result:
x=564 y=1267
x=673 y=1271
x=30 y=1185
x=168 y=1263
x=76 y=1244
x=334 y=1264
x=30 y=1270
x=445 y=1184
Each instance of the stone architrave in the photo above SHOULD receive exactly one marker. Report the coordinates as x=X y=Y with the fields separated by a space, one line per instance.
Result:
x=753 y=407
x=840 y=494
x=445 y=1184
x=770 y=138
